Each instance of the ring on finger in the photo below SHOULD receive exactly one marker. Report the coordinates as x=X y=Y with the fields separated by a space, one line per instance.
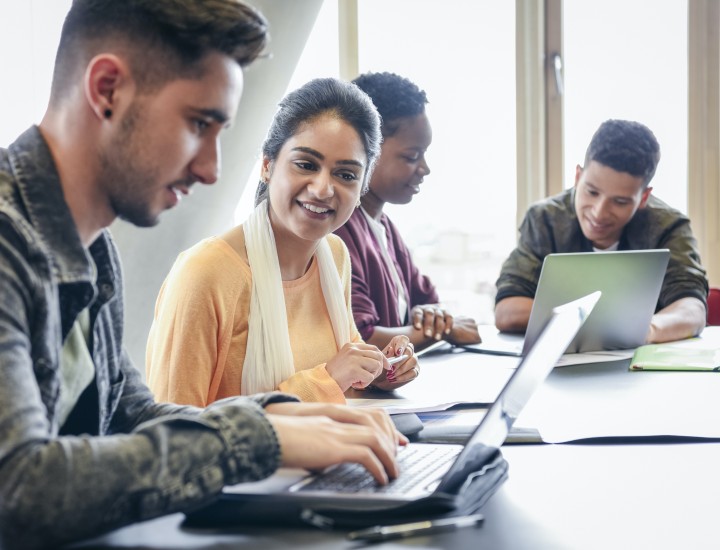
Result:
x=417 y=372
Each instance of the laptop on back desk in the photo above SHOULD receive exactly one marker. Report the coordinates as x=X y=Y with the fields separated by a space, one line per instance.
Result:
x=630 y=282
x=434 y=479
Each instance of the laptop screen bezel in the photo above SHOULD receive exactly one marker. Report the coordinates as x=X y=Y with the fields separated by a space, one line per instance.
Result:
x=492 y=430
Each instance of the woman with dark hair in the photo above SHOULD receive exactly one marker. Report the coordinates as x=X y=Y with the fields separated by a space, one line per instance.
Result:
x=390 y=296
x=268 y=303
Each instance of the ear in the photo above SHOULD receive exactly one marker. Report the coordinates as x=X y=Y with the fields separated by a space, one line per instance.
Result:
x=645 y=196
x=105 y=76
x=266 y=169
x=578 y=173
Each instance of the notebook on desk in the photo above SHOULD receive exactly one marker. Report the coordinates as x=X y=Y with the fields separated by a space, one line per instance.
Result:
x=434 y=479
x=630 y=282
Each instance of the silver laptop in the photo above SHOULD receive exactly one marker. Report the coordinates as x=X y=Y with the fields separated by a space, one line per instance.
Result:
x=630 y=282
x=431 y=471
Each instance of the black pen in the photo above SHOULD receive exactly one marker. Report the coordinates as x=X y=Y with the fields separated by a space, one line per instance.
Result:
x=404 y=530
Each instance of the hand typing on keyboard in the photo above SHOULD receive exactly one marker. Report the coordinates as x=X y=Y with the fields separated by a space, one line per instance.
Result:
x=317 y=435
x=419 y=465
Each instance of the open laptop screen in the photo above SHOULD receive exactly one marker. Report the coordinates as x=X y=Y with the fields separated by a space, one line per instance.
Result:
x=630 y=282
x=564 y=323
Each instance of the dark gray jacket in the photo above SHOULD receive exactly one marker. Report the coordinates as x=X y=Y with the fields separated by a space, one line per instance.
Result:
x=120 y=457
x=552 y=226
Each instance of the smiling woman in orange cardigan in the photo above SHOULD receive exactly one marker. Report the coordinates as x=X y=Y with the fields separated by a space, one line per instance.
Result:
x=267 y=305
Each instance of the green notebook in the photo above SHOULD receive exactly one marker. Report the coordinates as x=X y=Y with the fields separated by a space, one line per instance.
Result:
x=694 y=354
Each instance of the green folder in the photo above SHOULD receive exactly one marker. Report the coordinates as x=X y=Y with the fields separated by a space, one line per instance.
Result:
x=694 y=354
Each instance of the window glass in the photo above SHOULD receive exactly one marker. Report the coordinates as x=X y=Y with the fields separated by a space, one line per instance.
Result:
x=628 y=59
x=461 y=226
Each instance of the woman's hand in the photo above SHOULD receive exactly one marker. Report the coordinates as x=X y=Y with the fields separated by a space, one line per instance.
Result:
x=402 y=372
x=356 y=365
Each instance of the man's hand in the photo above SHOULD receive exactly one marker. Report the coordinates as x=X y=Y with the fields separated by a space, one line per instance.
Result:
x=513 y=313
x=684 y=318
x=317 y=435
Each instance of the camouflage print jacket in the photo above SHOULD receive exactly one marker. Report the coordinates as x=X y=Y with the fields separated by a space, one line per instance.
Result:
x=120 y=457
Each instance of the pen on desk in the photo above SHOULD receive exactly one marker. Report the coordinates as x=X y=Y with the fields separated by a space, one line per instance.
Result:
x=388 y=532
x=431 y=347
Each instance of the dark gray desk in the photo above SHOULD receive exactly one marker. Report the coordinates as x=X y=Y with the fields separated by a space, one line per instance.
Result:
x=557 y=496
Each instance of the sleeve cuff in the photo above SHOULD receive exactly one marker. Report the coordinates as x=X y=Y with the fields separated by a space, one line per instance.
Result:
x=253 y=450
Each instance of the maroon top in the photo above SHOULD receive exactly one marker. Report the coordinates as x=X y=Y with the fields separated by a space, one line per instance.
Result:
x=374 y=296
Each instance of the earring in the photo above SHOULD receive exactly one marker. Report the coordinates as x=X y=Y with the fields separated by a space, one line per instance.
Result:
x=357 y=204
x=107 y=113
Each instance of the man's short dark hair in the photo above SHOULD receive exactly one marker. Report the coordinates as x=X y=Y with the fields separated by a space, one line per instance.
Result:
x=625 y=146
x=394 y=96
x=162 y=39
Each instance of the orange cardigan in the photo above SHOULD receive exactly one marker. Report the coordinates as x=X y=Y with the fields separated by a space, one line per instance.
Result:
x=196 y=347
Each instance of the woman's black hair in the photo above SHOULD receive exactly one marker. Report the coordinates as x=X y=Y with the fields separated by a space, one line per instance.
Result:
x=318 y=97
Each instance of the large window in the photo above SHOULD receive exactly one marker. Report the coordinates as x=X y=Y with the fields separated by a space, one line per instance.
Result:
x=462 y=224
x=622 y=58
x=619 y=65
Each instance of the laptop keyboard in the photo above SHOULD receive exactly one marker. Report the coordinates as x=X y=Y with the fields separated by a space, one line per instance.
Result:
x=416 y=462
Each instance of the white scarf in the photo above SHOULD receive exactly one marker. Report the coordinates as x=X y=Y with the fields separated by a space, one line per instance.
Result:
x=268 y=357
